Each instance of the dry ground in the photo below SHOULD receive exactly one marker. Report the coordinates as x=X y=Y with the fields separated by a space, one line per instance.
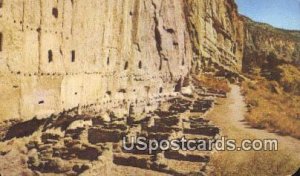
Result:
x=229 y=115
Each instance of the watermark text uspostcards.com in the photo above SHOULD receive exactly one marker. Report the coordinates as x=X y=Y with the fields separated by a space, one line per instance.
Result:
x=221 y=144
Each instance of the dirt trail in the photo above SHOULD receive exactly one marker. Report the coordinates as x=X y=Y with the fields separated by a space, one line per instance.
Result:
x=229 y=114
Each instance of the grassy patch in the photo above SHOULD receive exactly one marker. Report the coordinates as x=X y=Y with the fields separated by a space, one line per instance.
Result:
x=271 y=107
x=253 y=163
x=212 y=82
x=290 y=78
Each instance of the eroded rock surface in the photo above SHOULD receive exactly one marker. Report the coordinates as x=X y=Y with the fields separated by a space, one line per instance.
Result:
x=269 y=46
x=60 y=55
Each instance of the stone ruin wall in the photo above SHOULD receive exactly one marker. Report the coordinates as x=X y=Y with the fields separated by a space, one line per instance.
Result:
x=59 y=54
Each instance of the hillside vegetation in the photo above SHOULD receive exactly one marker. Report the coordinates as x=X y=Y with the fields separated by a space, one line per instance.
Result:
x=274 y=101
x=272 y=62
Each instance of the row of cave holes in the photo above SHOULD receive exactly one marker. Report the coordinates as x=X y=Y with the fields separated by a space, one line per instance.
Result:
x=124 y=91
x=50 y=56
x=140 y=65
x=108 y=93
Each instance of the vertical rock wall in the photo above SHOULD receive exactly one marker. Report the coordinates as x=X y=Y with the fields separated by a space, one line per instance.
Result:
x=60 y=54
x=216 y=34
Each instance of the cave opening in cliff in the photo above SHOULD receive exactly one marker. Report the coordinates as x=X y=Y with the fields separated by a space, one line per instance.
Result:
x=122 y=91
x=234 y=48
x=55 y=12
x=73 y=55
x=126 y=65
x=178 y=85
x=50 y=56
x=140 y=65
x=1 y=4
x=108 y=92
x=1 y=42
x=160 y=90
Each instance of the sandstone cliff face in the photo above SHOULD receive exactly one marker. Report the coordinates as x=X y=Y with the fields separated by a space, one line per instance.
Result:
x=56 y=54
x=216 y=33
x=263 y=41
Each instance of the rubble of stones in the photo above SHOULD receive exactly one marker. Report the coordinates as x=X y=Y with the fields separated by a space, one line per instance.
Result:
x=68 y=143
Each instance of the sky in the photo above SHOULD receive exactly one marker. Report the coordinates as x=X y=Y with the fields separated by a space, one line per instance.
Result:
x=279 y=13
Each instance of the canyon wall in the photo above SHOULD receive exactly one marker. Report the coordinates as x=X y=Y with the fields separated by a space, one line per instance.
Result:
x=59 y=54
x=217 y=35
x=265 y=44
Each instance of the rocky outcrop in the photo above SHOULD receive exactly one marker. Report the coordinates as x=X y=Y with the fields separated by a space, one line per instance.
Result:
x=217 y=35
x=269 y=46
x=57 y=55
